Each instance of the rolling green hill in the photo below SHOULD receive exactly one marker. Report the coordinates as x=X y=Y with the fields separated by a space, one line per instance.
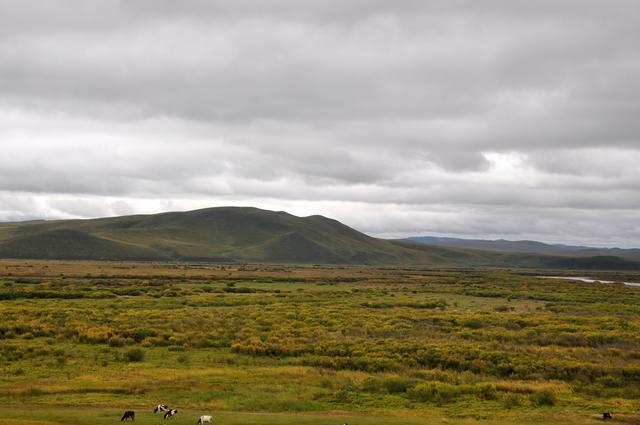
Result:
x=213 y=234
x=234 y=234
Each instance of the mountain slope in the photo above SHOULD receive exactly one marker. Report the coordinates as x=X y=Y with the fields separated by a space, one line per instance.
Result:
x=214 y=234
x=74 y=245
x=232 y=234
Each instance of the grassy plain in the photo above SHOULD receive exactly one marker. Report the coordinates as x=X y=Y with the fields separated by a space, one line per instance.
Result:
x=80 y=342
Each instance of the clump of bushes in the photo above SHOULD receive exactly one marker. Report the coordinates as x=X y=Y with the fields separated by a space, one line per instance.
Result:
x=435 y=392
x=18 y=371
x=442 y=392
x=32 y=392
x=488 y=392
x=134 y=355
x=140 y=334
x=398 y=385
x=395 y=385
x=239 y=290
x=473 y=323
x=512 y=400
x=373 y=365
x=543 y=398
x=116 y=342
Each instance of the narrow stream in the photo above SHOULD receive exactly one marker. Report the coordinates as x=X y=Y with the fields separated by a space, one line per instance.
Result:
x=588 y=280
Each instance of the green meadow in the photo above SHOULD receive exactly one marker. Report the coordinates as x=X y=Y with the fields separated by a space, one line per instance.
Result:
x=80 y=342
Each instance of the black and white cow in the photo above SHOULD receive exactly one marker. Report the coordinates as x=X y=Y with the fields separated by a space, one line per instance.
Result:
x=129 y=414
x=606 y=415
x=170 y=413
x=203 y=419
x=161 y=408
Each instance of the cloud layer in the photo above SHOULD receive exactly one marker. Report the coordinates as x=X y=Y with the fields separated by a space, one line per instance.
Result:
x=484 y=119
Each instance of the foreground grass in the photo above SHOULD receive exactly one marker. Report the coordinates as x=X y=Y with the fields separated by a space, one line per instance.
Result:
x=103 y=416
x=82 y=342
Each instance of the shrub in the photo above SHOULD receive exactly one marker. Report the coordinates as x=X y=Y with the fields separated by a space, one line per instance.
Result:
x=134 y=355
x=512 y=400
x=239 y=290
x=398 y=385
x=326 y=383
x=116 y=342
x=488 y=392
x=543 y=398
x=19 y=371
x=176 y=348
x=33 y=392
x=372 y=385
x=473 y=323
x=141 y=333
x=435 y=392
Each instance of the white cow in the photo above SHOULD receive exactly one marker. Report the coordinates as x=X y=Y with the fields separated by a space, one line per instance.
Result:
x=203 y=419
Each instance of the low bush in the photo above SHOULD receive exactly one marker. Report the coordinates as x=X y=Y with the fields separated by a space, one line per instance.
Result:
x=512 y=400
x=116 y=342
x=134 y=355
x=488 y=392
x=435 y=392
x=398 y=385
x=543 y=398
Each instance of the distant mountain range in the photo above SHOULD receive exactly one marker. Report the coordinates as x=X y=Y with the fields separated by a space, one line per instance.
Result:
x=526 y=246
x=234 y=234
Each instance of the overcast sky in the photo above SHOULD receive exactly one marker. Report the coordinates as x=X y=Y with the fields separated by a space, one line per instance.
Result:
x=513 y=119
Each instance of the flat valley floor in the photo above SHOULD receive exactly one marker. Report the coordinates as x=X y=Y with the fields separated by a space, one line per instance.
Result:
x=81 y=342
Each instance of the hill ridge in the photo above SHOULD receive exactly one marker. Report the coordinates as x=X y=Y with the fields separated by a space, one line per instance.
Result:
x=249 y=234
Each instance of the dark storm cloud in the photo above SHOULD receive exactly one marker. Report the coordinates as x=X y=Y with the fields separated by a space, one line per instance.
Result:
x=478 y=118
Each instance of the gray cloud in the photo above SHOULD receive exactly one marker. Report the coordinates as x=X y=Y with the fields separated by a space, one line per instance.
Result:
x=497 y=118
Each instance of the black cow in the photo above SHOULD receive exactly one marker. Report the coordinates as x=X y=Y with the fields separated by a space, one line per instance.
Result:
x=606 y=415
x=170 y=413
x=129 y=414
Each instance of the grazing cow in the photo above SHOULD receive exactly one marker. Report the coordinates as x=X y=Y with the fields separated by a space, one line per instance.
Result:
x=606 y=415
x=129 y=414
x=170 y=413
x=203 y=419
x=161 y=408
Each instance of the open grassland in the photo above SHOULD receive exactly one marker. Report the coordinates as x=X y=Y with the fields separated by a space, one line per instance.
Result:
x=80 y=342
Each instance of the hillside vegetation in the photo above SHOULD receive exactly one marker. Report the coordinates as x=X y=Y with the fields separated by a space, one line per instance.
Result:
x=232 y=234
